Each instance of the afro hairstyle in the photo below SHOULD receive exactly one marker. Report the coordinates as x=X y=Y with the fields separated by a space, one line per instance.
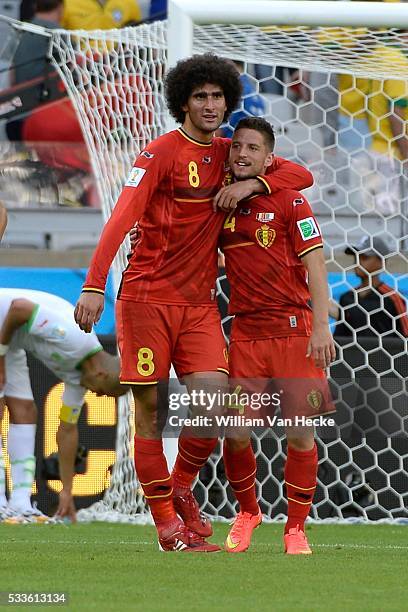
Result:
x=195 y=71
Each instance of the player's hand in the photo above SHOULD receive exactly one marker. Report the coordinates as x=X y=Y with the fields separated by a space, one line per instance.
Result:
x=228 y=197
x=66 y=506
x=134 y=236
x=321 y=347
x=2 y=372
x=88 y=310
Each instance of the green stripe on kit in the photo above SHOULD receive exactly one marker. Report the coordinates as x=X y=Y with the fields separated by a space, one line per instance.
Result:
x=23 y=485
x=28 y=463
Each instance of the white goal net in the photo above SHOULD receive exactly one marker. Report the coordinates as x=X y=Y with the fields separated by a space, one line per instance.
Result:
x=332 y=95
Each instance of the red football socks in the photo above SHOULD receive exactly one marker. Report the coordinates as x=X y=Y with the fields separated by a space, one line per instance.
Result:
x=240 y=469
x=300 y=479
x=192 y=455
x=154 y=477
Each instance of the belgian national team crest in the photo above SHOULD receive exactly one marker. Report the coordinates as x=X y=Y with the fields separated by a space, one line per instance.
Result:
x=227 y=179
x=265 y=236
x=314 y=399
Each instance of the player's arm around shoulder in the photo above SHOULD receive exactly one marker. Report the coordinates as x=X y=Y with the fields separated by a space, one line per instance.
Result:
x=282 y=174
x=286 y=174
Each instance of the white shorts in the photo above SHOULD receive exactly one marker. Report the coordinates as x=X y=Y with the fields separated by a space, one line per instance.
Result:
x=17 y=376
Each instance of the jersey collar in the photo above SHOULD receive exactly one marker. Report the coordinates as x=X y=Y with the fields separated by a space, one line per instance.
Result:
x=191 y=139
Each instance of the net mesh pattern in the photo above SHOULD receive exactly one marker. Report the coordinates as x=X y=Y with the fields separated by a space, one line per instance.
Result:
x=324 y=90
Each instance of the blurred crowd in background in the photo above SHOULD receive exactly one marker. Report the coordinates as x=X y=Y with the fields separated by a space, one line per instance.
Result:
x=361 y=121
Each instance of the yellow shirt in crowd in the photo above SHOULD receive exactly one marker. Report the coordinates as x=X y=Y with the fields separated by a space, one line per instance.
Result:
x=382 y=97
x=99 y=15
x=352 y=95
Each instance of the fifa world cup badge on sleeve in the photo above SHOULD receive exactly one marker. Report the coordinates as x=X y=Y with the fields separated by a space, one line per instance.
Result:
x=308 y=228
x=135 y=177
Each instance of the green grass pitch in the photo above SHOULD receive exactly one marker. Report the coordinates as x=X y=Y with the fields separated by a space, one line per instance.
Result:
x=119 y=568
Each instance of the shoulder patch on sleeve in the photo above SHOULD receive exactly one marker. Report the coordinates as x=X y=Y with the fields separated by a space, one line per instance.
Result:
x=135 y=177
x=308 y=228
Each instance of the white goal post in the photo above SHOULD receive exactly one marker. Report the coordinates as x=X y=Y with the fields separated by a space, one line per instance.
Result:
x=184 y=14
x=304 y=47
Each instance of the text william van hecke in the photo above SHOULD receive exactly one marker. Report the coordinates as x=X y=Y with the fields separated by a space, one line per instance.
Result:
x=273 y=421
x=244 y=421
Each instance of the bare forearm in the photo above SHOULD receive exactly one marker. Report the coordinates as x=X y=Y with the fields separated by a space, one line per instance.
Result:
x=334 y=310
x=256 y=186
x=19 y=313
x=316 y=267
x=67 y=439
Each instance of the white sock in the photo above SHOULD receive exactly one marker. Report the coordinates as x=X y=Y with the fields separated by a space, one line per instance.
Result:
x=21 y=440
x=3 y=499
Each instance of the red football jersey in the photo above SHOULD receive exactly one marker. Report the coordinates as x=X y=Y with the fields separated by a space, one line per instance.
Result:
x=263 y=241
x=169 y=192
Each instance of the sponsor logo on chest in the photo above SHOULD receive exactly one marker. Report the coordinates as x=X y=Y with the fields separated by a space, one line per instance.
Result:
x=265 y=217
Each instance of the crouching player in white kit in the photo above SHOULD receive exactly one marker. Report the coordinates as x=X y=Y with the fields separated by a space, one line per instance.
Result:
x=43 y=324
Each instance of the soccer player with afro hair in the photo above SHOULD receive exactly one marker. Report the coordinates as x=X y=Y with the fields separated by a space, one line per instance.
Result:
x=194 y=72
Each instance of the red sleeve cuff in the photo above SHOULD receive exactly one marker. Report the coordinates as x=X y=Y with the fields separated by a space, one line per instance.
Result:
x=93 y=290
x=311 y=248
x=265 y=183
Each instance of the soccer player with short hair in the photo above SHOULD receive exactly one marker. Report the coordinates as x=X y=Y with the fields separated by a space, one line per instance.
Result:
x=166 y=308
x=43 y=324
x=275 y=265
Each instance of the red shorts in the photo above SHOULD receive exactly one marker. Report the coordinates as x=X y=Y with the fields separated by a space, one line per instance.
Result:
x=280 y=365
x=151 y=337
